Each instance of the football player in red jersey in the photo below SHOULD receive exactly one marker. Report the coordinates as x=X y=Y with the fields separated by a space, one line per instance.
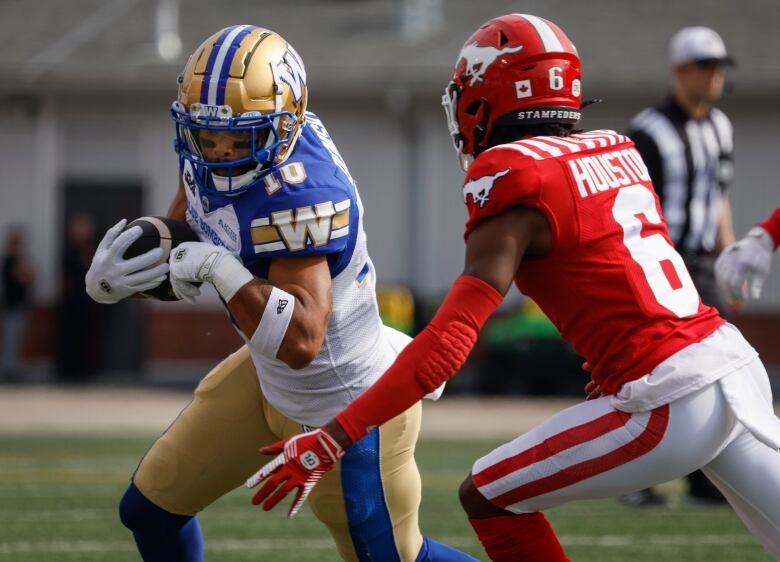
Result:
x=573 y=220
x=742 y=268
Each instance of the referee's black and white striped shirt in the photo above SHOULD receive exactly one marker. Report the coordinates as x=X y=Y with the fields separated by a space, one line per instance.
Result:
x=691 y=165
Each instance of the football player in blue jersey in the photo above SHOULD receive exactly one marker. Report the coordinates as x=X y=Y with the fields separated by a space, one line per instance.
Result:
x=282 y=241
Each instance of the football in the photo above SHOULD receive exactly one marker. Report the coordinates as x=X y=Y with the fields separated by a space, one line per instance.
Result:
x=159 y=232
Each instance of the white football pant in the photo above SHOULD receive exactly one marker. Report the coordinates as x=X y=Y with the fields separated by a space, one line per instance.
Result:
x=592 y=450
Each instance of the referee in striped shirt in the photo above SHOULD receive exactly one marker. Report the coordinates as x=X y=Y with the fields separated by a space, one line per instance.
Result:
x=688 y=145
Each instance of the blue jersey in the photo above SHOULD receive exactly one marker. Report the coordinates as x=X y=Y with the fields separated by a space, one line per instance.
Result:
x=308 y=206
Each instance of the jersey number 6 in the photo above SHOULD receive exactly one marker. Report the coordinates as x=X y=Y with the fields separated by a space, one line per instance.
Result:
x=663 y=267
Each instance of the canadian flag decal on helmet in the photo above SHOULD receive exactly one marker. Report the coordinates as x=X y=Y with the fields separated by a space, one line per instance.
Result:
x=479 y=59
x=480 y=188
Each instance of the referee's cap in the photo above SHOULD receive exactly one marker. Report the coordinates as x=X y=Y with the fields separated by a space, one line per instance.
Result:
x=698 y=44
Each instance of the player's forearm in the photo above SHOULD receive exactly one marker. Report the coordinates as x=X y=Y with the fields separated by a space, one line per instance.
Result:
x=772 y=226
x=248 y=304
x=306 y=333
x=433 y=357
x=303 y=336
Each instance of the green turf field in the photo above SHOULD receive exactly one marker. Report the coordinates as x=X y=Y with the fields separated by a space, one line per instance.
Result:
x=58 y=498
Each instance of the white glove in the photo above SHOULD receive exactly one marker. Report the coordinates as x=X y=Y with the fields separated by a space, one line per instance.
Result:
x=112 y=278
x=193 y=262
x=742 y=268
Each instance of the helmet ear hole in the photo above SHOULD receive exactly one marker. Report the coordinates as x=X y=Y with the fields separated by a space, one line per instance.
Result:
x=481 y=128
x=473 y=108
x=502 y=39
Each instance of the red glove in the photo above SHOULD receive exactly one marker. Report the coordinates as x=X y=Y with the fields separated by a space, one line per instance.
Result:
x=303 y=461
x=592 y=390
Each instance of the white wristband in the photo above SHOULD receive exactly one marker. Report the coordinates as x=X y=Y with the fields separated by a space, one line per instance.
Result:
x=273 y=325
x=229 y=276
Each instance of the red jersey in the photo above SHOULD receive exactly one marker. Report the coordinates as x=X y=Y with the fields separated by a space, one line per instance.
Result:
x=612 y=284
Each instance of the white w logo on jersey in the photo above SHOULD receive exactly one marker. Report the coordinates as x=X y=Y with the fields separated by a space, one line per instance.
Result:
x=292 y=72
x=479 y=58
x=309 y=222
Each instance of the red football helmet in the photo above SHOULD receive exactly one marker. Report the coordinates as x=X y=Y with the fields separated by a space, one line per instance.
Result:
x=516 y=69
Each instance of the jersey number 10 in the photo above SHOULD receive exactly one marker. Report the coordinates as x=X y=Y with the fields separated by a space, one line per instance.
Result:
x=663 y=267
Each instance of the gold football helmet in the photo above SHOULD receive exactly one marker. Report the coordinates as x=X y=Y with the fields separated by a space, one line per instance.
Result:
x=240 y=109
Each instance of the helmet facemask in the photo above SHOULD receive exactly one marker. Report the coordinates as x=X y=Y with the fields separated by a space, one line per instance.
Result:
x=258 y=139
x=449 y=101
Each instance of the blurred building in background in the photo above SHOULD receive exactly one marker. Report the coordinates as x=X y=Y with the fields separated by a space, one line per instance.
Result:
x=85 y=126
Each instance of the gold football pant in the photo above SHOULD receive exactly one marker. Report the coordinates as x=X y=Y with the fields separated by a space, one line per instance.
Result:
x=369 y=502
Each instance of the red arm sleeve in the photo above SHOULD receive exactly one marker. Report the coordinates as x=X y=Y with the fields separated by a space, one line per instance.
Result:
x=433 y=357
x=772 y=226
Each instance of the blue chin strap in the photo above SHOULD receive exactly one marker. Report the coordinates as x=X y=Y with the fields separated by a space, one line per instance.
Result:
x=236 y=176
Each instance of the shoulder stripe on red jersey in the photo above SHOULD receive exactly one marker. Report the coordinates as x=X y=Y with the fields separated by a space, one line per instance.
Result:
x=543 y=145
x=571 y=147
x=603 y=142
x=611 y=136
x=523 y=149
x=602 y=132
x=588 y=135
x=549 y=39
x=600 y=140
x=540 y=148
x=587 y=142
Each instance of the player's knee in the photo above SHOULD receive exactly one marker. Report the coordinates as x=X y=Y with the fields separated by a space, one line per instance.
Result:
x=138 y=513
x=132 y=508
x=474 y=503
x=469 y=495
